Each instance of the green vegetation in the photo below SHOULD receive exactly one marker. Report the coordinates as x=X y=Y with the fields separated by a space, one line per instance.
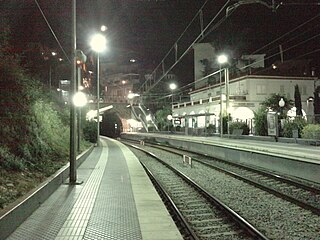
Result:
x=211 y=129
x=311 y=131
x=298 y=123
x=34 y=129
x=260 y=121
x=161 y=119
x=90 y=131
x=239 y=125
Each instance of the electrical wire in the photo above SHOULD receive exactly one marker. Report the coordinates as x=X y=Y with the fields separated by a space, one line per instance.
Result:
x=284 y=50
x=287 y=33
x=51 y=30
x=263 y=47
x=198 y=38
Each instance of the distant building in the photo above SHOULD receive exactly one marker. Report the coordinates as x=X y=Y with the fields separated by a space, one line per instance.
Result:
x=246 y=92
x=64 y=89
x=118 y=86
x=204 y=62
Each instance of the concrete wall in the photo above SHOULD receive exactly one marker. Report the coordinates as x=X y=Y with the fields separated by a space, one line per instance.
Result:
x=20 y=210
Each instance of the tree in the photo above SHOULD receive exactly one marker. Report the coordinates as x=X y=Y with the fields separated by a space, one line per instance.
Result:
x=297 y=100
x=316 y=104
x=161 y=118
x=272 y=103
x=260 y=122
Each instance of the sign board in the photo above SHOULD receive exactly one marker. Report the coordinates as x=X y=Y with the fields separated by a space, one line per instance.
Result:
x=272 y=119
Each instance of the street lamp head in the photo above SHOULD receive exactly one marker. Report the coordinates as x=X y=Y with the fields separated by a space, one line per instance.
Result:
x=79 y=99
x=173 y=86
x=98 y=43
x=103 y=28
x=132 y=95
x=281 y=103
x=222 y=59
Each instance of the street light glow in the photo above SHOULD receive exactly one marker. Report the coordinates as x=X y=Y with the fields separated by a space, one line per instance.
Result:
x=132 y=95
x=103 y=28
x=98 y=43
x=79 y=99
x=173 y=86
x=222 y=59
x=281 y=103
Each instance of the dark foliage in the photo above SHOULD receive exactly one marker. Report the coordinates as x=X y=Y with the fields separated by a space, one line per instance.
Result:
x=297 y=100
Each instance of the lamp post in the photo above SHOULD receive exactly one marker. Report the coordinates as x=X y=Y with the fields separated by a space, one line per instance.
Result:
x=98 y=44
x=172 y=86
x=169 y=117
x=221 y=60
x=79 y=100
x=73 y=86
x=281 y=105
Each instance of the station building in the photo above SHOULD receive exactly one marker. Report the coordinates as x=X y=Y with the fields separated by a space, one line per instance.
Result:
x=247 y=89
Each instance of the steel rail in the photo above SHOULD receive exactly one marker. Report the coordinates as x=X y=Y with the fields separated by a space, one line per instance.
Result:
x=244 y=224
x=298 y=202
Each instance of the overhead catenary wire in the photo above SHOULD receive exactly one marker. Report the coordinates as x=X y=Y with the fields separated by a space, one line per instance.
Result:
x=284 y=50
x=287 y=33
x=197 y=39
x=180 y=90
x=52 y=31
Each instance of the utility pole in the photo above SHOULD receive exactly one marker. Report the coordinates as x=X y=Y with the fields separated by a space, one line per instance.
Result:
x=73 y=89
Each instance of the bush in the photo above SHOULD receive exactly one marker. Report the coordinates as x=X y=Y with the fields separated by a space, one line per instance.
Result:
x=50 y=134
x=90 y=131
x=10 y=161
x=311 y=131
x=211 y=129
x=260 y=122
x=239 y=125
x=297 y=124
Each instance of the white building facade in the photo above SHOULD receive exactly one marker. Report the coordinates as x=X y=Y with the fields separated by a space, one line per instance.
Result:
x=246 y=93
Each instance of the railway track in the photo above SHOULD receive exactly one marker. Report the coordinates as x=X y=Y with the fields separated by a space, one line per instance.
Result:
x=303 y=195
x=203 y=215
x=280 y=208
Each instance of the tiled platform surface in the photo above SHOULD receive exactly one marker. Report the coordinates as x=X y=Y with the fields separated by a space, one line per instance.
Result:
x=115 y=201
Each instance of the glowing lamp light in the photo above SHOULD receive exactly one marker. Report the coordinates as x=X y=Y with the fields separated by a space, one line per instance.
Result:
x=222 y=59
x=103 y=28
x=132 y=95
x=98 y=43
x=281 y=103
x=79 y=99
x=173 y=86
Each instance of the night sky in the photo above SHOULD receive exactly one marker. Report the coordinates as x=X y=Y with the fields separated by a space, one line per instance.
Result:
x=146 y=29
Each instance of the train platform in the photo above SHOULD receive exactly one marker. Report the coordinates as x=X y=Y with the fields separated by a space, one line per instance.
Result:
x=294 y=150
x=292 y=159
x=115 y=201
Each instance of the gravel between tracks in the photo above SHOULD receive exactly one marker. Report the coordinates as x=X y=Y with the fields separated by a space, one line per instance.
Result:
x=274 y=217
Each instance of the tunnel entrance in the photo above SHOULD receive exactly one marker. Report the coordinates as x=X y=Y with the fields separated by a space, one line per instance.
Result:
x=111 y=125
